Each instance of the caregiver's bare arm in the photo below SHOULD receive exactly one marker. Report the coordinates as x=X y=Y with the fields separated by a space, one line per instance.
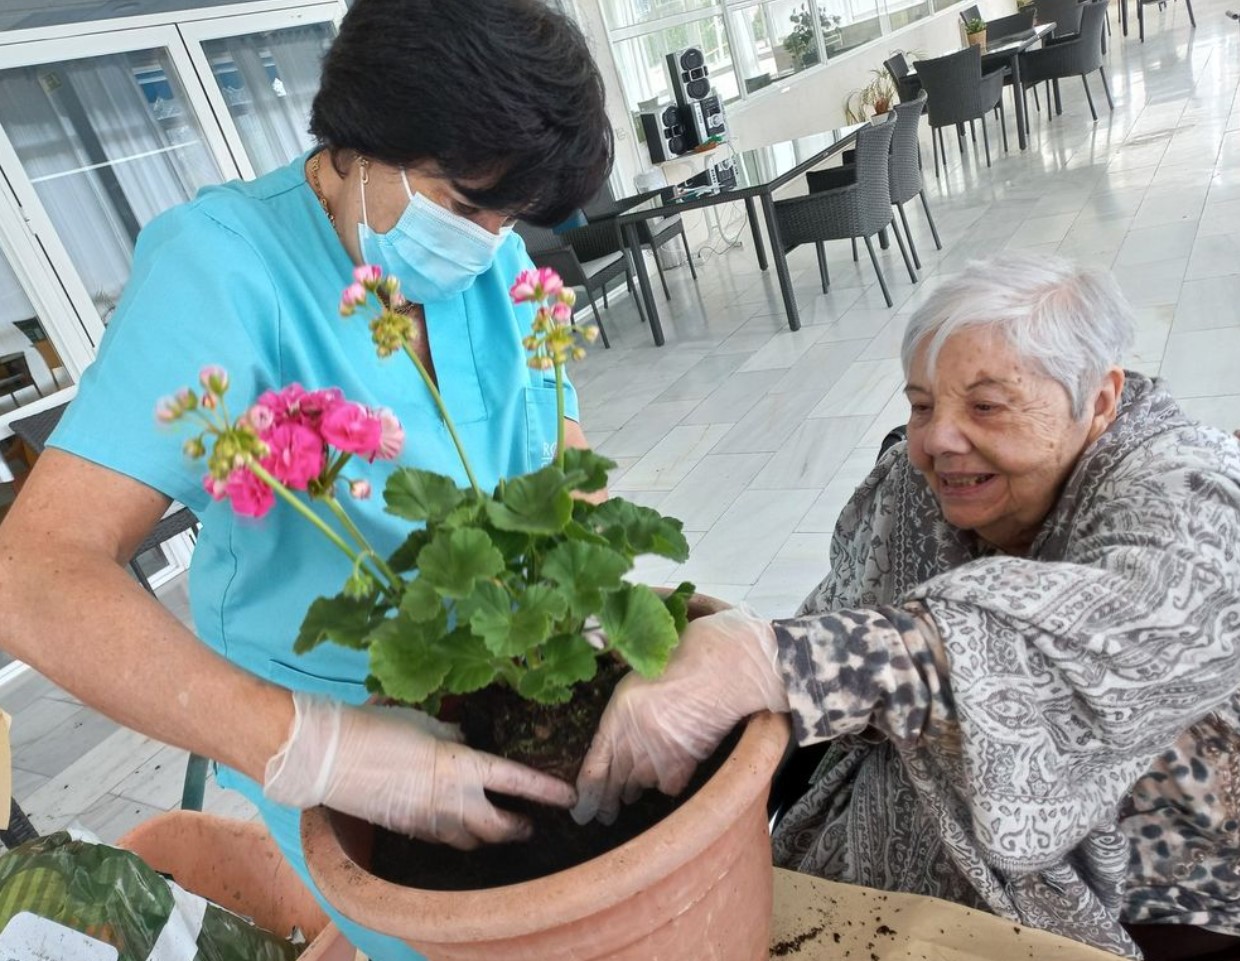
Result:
x=71 y=611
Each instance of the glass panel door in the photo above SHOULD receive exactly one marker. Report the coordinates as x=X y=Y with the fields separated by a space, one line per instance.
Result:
x=261 y=74
x=105 y=143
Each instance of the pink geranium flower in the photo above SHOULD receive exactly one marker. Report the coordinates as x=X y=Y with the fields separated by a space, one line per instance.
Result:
x=216 y=488
x=250 y=497
x=391 y=437
x=296 y=454
x=524 y=287
x=367 y=274
x=352 y=428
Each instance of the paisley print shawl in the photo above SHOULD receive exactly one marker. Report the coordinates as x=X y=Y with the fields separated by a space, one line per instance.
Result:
x=1033 y=735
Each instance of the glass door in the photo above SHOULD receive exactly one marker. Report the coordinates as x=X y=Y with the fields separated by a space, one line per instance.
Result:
x=261 y=73
x=98 y=135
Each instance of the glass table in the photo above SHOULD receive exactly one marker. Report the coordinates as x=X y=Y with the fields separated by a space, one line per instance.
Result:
x=746 y=176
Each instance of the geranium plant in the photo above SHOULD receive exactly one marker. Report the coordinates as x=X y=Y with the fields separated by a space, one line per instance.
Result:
x=522 y=586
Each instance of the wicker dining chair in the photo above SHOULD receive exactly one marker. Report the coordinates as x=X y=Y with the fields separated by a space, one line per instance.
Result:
x=1010 y=26
x=907 y=84
x=959 y=93
x=1162 y=4
x=860 y=208
x=1075 y=56
x=34 y=431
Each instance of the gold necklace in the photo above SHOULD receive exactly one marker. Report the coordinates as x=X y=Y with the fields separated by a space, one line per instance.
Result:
x=317 y=187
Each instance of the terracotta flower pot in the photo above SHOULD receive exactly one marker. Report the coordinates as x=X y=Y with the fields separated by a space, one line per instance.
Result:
x=977 y=39
x=695 y=885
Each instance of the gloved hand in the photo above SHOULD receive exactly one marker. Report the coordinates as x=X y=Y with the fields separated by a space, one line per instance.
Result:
x=654 y=732
x=404 y=770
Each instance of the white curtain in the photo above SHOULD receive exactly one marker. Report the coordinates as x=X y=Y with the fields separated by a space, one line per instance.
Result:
x=153 y=150
x=270 y=92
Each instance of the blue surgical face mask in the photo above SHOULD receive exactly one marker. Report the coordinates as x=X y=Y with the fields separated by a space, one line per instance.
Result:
x=434 y=253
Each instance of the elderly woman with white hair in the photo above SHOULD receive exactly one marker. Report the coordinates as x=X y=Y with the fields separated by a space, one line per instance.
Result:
x=1027 y=650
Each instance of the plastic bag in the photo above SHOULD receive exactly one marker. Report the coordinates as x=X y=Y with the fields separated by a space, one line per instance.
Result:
x=113 y=897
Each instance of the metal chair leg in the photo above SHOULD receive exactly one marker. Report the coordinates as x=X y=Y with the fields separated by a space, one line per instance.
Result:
x=973 y=132
x=882 y=281
x=1003 y=126
x=854 y=239
x=1089 y=97
x=934 y=231
x=821 y=250
x=1106 y=87
x=195 y=786
x=684 y=239
x=606 y=306
x=598 y=320
x=986 y=142
x=909 y=234
x=667 y=294
x=1191 y=18
x=908 y=264
x=934 y=148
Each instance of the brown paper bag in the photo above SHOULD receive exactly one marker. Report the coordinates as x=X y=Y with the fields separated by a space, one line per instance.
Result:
x=817 y=920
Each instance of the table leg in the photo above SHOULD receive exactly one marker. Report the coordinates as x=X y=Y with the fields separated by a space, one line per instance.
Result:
x=757 y=234
x=781 y=263
x=1123 y=16
x=643 y=282
x=1020 y=104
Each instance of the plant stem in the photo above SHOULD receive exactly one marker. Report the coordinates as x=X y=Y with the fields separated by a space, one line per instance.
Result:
x=443 y=413
x=286 y=495
x=559 y=416
x=347 y=522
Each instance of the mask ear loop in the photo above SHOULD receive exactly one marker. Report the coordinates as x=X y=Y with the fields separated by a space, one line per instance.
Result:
x=404 y=179
x=362 y=182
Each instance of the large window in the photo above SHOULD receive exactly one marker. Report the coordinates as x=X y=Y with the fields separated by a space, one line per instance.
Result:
x=748 y=44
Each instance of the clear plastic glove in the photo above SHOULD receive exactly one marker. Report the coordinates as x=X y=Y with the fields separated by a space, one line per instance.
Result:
x=654 y=732
x=404 y=770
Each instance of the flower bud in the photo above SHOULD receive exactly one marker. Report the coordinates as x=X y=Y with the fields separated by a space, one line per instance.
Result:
x=359 y=489
x=194 y=447
x=568 y=296
x=562 y=313
x=214 y=379
x=368 y=275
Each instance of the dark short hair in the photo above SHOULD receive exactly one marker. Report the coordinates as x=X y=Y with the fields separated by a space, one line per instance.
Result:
x=485 y=88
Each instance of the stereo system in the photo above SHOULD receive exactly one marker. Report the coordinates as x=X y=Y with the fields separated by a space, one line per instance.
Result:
x=696 y=116
x=666 y=135
x=689 y=75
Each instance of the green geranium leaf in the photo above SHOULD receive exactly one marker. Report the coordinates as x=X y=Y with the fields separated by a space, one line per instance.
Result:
x=341 y=619
x=640 y=628
x=405 y=557
x=576 y=531
x=677 y=604
x=508 y=628
x=454 y=560
x=538 y=503
x=585 y=571
x=643 y=530
x=567 y=659
x=420 y=495
x=472 y=666
x=586 y=470
x=407 y=658
x=420 y=601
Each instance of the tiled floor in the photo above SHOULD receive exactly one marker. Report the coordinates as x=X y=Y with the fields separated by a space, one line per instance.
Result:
x=755 y=436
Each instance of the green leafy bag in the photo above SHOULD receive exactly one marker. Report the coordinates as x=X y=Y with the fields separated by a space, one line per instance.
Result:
x=116 y=898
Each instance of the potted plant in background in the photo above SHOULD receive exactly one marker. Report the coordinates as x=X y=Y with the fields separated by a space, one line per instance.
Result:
x=975 y=31
x=509 y=611
x=872 y=100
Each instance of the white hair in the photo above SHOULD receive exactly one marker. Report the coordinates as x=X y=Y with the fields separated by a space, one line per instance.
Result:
x=1070 y=321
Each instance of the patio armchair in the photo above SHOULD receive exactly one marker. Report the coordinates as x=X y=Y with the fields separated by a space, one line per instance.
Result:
x=860 y=206
x=907 y=84
x=1074 y=56
x=960 y=93
x=1009 y=26
x=903 y=169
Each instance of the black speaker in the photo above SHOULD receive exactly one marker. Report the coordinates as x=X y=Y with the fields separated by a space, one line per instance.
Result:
x=707 y=120
x=666 y=134
x=689 y=75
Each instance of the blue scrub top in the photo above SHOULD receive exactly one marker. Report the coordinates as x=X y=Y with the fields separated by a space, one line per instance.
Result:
x=248 y=275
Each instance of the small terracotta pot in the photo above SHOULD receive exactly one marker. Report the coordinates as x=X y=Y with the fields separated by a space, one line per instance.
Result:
x=696 y=885
x=977 y=39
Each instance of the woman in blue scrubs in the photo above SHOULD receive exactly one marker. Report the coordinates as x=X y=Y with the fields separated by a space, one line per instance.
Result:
x=439 y=124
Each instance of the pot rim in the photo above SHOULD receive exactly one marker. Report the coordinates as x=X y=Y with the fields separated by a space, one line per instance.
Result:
x=592 y=887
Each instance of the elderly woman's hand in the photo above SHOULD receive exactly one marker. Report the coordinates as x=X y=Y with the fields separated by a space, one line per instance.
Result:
x=654 y=732
x=404 y=770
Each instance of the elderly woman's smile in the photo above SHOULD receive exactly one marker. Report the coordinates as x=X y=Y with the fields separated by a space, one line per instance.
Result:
x=994 y=436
